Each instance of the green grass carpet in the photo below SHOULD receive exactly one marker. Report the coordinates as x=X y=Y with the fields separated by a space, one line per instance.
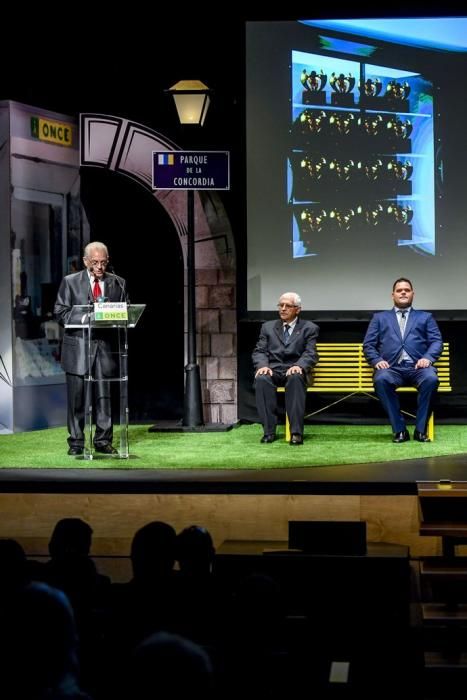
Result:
x=239 y=448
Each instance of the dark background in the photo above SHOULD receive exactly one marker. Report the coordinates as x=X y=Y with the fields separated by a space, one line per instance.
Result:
x=121 y=65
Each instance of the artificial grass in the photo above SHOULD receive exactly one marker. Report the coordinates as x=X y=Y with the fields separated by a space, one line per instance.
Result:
x=325 y=445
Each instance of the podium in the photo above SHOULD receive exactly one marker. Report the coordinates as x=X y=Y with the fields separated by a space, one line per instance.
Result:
x=104 y=329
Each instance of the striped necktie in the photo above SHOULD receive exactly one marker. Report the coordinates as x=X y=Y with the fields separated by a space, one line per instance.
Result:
x=286 y=333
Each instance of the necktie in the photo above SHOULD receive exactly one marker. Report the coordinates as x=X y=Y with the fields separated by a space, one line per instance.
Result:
x=403 y=319
x=286 y=333
x=96 y=290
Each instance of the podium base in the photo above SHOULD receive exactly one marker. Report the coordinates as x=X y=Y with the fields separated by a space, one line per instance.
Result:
x=169 y=426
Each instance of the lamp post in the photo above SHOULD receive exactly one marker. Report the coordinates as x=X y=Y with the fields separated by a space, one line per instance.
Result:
x=192 y=101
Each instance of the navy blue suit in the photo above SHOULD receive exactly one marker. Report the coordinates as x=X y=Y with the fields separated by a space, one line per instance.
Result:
x=383 y=341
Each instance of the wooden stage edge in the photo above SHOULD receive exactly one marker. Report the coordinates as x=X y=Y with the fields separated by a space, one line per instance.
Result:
x=246 y=505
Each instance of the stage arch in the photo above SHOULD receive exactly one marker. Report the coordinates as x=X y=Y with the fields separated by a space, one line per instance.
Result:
x=125 y=147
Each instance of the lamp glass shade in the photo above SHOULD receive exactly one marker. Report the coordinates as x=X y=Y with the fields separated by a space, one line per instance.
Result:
x=191 y=108
x=191 y=100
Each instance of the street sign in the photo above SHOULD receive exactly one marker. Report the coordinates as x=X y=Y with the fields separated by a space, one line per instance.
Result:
x=190 y=170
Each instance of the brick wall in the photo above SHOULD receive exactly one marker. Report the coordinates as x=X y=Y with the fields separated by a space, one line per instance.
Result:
x=216 y=325
x=216 y=316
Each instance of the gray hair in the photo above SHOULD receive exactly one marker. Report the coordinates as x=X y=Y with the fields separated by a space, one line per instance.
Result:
x=297 y=300
x=95 y=245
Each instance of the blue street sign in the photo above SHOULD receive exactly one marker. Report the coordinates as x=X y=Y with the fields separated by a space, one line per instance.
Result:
x=190 y=170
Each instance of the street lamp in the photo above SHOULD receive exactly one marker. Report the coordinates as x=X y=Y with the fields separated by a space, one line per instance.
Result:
x=192 y=101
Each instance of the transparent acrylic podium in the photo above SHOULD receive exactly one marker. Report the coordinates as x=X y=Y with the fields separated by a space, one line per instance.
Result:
x=110 y=338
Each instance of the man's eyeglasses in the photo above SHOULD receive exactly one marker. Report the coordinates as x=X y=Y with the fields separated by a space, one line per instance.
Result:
x=96 y=263
x=287 y=306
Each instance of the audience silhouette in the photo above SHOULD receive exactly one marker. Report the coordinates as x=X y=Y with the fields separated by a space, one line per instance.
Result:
x=15 y=569
x=39 y=646
x=148 y=603
x=196 y=629
x=167 y=665
x=71 y=568
x=201 y=604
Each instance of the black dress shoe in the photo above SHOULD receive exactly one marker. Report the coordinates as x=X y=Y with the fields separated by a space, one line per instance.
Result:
x=401 y=436
x=107 y=449
x=75 y=450
x=268 y=437
x=296 y=439
x=420 y=437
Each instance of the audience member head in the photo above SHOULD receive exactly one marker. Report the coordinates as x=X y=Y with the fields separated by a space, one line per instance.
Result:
x=168 y=665
x=195 y=550
x=38 y=643
x=71 y=538
x=153 y=551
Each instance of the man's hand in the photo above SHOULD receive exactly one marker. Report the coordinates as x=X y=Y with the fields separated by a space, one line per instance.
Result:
x=263 y=370
x=422 y=363
x=295 y=369
x=382 y=365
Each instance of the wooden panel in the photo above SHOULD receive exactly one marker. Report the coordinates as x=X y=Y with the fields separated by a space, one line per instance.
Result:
x=30 y=518
x=395 y=519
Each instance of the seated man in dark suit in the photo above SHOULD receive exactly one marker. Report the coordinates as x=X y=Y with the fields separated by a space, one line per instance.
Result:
x=284 y=356
x=402 y=345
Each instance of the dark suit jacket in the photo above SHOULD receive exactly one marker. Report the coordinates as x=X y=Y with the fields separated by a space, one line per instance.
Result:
x=271 y=351
x=422 y=337
x=76 y=289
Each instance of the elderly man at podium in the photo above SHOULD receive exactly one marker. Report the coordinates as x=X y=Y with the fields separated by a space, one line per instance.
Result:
x=83 y=288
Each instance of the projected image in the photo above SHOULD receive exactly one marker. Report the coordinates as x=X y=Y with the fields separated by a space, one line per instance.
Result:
x=356 y=171
x=361 y=161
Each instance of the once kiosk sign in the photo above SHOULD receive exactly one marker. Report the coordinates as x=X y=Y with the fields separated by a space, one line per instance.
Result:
x=51 y=131
x=190 y=170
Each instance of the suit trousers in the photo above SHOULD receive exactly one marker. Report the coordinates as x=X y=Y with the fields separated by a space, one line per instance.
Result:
x=295 y=398
x=102 y=410
x=388 y=380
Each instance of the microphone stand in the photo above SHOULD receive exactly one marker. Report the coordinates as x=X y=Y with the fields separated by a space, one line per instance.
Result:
x=122 y=337
x=111 y=271
x=88 y=380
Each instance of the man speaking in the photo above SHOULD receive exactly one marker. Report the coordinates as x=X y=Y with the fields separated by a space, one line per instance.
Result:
x=84 y=288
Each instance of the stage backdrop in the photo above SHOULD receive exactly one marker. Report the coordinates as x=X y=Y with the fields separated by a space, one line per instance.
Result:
x=356 y=144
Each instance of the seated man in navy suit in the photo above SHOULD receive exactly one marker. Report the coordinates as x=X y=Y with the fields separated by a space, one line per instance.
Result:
x=284 y=356
x=402 y=345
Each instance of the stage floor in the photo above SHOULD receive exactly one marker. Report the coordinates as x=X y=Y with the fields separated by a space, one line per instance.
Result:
x=380 y=478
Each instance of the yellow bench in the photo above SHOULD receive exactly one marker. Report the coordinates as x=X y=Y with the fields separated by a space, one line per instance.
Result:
x=343 y=369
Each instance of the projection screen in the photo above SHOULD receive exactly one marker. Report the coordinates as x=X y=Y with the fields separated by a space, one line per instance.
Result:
x=356 y=162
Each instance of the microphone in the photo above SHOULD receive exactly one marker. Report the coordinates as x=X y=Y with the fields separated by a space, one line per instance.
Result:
x=111 y=272
x=90 y=271
x=90 y=294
